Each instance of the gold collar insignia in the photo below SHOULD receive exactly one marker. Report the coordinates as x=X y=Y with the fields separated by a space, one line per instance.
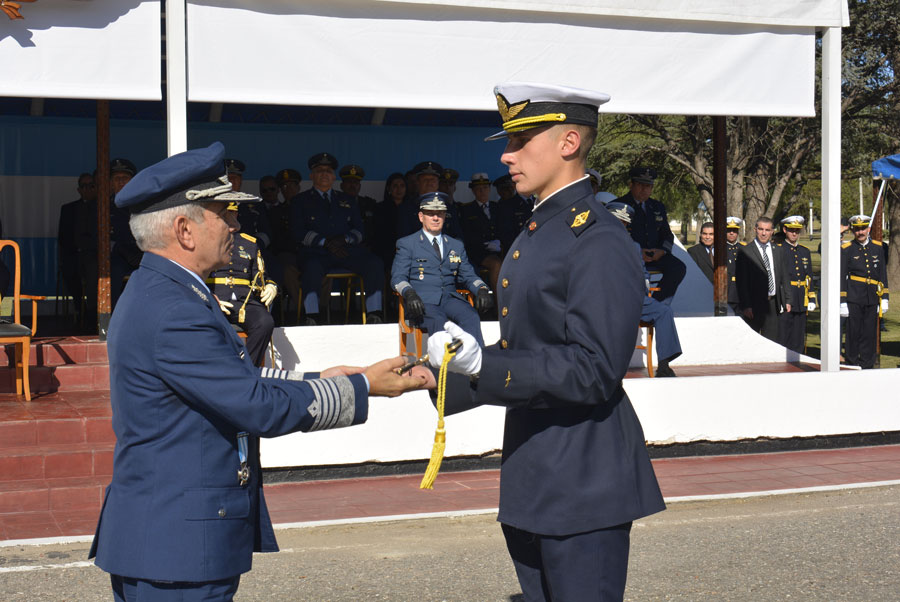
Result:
x=580 y=219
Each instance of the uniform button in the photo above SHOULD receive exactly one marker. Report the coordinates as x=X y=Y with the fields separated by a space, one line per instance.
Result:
x=221 y=512
x=505 y=311
x=505 y=283
x=516 y=254
x=504 y=344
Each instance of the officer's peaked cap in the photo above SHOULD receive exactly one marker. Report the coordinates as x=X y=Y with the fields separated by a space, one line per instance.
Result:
x=526 y=105
x=622 y=211
x=428 y=168
x=794 y=222
x=322 y=159
x=479 y=178
x=352 y=172
x=433 y=201
x=123 y=165
x=860 y=221
x=286 y=175
x=644 y=175
x=733 y=222
x=234 y=166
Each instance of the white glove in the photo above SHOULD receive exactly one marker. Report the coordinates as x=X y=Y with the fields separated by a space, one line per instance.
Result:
x=493 y=246
x=884 y=305
x=811 y=306
x=225 y=306
x=268 y=294
x=845 y=311
x=467 y=359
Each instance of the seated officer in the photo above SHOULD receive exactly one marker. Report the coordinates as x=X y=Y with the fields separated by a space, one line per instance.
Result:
x=428 y=180
x=668 y=347
x=480 y=228
x=513 y=210
x=237 y=286
x=328 y=226
x=351 y=182
x=428 y=268
x=650 y=229
x=251 y=216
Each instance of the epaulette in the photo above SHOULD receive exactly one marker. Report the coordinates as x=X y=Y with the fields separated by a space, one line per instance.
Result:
x=743 y=244
x=877 y=242
x=846 y=244
x=248 y=237
x=581 y=217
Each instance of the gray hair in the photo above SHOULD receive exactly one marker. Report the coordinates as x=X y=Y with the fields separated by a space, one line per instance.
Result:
x=151 y=230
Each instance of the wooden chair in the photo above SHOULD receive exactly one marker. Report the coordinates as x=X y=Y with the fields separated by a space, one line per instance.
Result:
x=406 y=328
x=15 y=333
x=648 y=346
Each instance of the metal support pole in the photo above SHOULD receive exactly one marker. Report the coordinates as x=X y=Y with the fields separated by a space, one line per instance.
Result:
x=176 y=77
x=104 y=305
x=720 y=210
x=831 y=199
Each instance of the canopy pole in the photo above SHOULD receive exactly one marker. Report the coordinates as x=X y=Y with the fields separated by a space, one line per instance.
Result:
x=831 y=199
x=720 y=210
x=176 y=77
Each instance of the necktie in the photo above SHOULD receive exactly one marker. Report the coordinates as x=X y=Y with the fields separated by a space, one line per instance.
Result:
x=768 y=270
x=487 y=210
x=437 y=247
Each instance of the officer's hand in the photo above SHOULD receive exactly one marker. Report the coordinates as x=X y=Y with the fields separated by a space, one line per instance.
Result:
x=884 y=305
x=225 y=306
x=467 y=359
x=427 y=374
x=385 y=382
x=268 y=294
x=811 y=306
x=845 y=311
x=747 y=312
x=336 y=245
x=493 y=246
x=787 y=307
x=483 y=300
x=341 y=371
x=415 y=308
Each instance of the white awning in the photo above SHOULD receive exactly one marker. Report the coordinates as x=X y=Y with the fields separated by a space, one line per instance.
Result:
x=77 y=49
x=435 y=55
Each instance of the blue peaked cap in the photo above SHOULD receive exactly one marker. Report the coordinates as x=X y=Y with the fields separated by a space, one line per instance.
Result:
x=192 y=176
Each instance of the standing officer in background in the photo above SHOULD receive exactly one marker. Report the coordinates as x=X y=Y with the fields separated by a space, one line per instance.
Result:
x=757 y=273
x=125 y=256
x=428 y=268
x=328 y=225
x=447 y=183
x=796 y=281
x=185 y=510
x=245 y=293
x=513 y=210
x=480 y=228
x=67 y=238
x=864 y=292
x=732 y=231
x=650 y=229
x=575 y=471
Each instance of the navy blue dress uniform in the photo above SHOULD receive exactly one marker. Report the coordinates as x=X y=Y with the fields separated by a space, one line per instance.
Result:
x=650 y=229
x=513 y=210
x=733 y=224
x=575 y=469
x=796 y=282
x=351 y=179
x=185 y=508
x=320 y=217
x=436 y=279
x=480 y=224
x=240 y=283
x=864 y=289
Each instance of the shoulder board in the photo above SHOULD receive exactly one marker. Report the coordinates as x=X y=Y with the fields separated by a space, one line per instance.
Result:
x=846 y=244
x=877 y=242
x=580 y=217
x=743 y=244
x=247 y=236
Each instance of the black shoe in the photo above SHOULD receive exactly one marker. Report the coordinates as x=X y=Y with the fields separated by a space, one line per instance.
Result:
x=374 y=317
x=310 y=320
x=664 y=372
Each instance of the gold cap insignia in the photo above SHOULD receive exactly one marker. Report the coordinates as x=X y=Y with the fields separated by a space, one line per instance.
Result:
x=580 y=219
x=508 y=112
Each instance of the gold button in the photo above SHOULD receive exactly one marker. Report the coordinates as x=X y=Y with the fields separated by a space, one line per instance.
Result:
x=516 y=254
x=505 y=283
x=504 y=344
x=505 y=311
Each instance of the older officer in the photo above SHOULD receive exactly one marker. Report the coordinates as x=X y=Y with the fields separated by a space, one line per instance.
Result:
x=428 y=268
x=650 y=229
x=185 y=511
x=328 y=225
x=864 y=292
x=575 y=471
x=796 y=281
x=732 y=246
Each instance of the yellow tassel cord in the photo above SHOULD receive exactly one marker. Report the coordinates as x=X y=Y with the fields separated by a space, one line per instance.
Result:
x=440 y=436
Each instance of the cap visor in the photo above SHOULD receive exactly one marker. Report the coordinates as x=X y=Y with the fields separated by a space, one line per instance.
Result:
x=497 y=136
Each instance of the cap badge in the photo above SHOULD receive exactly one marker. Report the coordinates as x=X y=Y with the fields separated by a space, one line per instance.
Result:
x=580 y=219
x=508 y=112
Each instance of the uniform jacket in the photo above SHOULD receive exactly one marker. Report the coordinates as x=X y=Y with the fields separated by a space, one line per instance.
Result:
x=731 y=265
x=863 y=261
x=181 y=388
x=571 y=289
x=796 y=267
x=511 y=217
x=703 y=259
x=254 y=220
x=313 y=219
x=650 y=224
x=417 y=265
x=478 y=229
x=753 y=280
x=280 y=233
x=232 y=282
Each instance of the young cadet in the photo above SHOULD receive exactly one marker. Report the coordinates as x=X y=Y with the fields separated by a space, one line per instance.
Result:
x=575 y=470
x=864 y=292
x=796 y=282
x=732 y=245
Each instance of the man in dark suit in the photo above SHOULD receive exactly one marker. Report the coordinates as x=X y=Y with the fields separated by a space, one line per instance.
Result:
x=650 y=229
x=428 y=268
x=67 y=237
x=481 y=228
x=575 y=471
x=329 y=227
x=796 y=282
x=757 y=273
x=702 y=252
x=185 y=510
x=864 y=292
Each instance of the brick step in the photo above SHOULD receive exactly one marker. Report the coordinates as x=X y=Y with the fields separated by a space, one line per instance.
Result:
x=92 y=376
x=52 y=495
x=56 y=461
x=59 y=351
x=30 y=432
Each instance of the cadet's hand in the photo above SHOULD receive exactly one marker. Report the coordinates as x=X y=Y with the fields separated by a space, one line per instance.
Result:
x=415 y=308
x=268 y=294
x=385 y=382
x=466 y=361
x=811 y=306
x=427 y=374
x=483 y=300
x=845 y=311
x=341 y=371
x=884 y=305
x=225 y=306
